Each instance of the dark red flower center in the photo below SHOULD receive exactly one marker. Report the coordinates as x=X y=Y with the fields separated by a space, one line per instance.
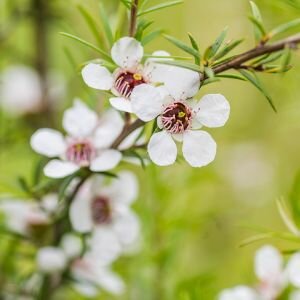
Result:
x=80 y=153
x=126 y=82
x=101 y=210
x=176 y=117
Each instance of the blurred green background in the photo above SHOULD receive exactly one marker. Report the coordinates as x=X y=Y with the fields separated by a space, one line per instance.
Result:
x=193 y=220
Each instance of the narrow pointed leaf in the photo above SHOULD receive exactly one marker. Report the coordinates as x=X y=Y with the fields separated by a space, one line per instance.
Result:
x=151 y=36
x=227 y=48
x=159 y=7
x=254 y=80
x=88 y=44
x=231 y=76
x=126 y=3
x=257 y=15
x=181 y=64
x=196 y=47
x=182 y=46
x=259 y=27
x=284 y=27
x=213 y=49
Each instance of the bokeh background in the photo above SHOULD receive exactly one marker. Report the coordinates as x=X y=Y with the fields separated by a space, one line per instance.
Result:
x=193 y=220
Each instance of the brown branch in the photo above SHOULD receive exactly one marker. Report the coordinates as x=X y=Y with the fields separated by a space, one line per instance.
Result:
x=126 y=131
x=237 y=61
x=133 y=17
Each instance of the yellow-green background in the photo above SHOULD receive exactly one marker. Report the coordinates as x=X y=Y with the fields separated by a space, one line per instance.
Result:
x=193 y=220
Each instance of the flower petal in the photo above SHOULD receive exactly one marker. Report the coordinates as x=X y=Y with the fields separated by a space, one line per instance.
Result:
x=105 y=246
x=213 y=110
x=240 y=292
x=121 y=104
x=127 y=52
x=110 y=126
x=51 y=260
x=110 y=282
x=72 y=245
x=79 y=120
x=146 y=102
x=268 y=263
x=127 y=227
x=97 y=77
x=48 y=142
x=199 y=148
x=81 y=210
x=162 y=149
x=293 y=270
x=106 y=160
x=124 y=188
x=131 y=139
x=181 y=83
x=58 y=169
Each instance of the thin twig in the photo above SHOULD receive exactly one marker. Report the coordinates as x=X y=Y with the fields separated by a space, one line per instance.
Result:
x=133 y=17
x=237 y=61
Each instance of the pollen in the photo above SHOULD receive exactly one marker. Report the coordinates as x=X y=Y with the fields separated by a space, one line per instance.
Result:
x=181 y=114
x=137 y=76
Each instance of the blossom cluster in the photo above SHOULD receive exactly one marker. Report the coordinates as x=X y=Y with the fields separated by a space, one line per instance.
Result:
x=274 y=278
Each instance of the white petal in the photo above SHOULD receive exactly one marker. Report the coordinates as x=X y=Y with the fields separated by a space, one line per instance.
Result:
x=181 y=83
x=81 y=209
x=199 y=148
x=124 y=188
x=106 y=160
x=86 y=289
x=105 y=245
x=59 y=169
x=127 y=52
x=268 y=264
x=72 y=245
x=110 y=126
x=97 y=77
x=293 y=270
x=239 y=293
x=146 y=102
x=127 y=227
x=79 y=120
x=162 y=149
x=110 y=282
x=50 y=203
x=48 y=142
x=51 y=260
x=131 y=139
x=121 y=104
x=213 y=110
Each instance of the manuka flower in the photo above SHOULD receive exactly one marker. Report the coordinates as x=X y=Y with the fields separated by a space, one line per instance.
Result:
x=86 y=145
x=127 y=53
x=105 y=211
x=177 y=118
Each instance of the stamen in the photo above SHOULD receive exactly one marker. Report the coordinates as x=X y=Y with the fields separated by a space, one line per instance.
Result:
x=81 y=153
x=176 y=118
x=126 y=82
x=101 y=210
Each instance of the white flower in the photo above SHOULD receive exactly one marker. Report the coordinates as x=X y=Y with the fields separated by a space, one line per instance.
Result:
x=293 y=270
x=240 y=292
x=295 y=295
x=22 y=216
x=105 y=211
x=178 y=118
x=51 y=260
x=87 y=143
x=91 y=276
x=71 y=245
x=21 y=90
x=127 y=53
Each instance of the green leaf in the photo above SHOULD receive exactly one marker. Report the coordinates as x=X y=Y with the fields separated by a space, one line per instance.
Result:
x=106 y=26
x=286 y=58
x=294 y=199
x=141 y=27
x=90 y=22
x=255 y=81
x=257 y=15
x=196 y=47
x=231 y=76
x=23 y=184
x=258 y=27
x=284 y=27
x=181 y=64
x=127 y=3
x=210 y=80
x=159 y=7
x=151 y=36
x=227 y=48
x=182 y=46
x=209 y=72
x=78 y=39
x=213 y=49
x=267 y=58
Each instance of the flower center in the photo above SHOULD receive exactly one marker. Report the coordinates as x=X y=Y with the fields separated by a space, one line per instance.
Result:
x=80 y=153
x=127 y=81
x=176 y=117
x=101 y=210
